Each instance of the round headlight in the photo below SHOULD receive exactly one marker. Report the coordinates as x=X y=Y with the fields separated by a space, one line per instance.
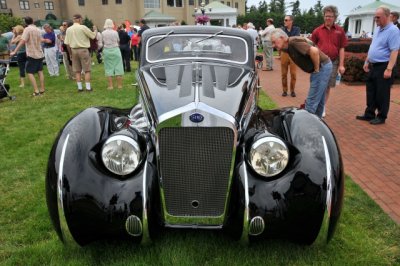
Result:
x=121 y=154
x=269 y=156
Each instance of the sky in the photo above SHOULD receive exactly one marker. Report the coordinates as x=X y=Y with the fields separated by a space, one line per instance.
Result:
x=344 y=6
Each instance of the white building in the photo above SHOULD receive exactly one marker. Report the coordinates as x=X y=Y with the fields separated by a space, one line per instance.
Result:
x=362 y=18
x=220 y=14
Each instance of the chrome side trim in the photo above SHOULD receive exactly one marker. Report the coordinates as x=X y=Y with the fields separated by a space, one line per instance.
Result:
x=68 y=239
x=145 y=224
x=322 y=237
x=246 y=217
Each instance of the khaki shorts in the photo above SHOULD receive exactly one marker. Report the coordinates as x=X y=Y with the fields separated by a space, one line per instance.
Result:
x=81 y=60
x=332 y=78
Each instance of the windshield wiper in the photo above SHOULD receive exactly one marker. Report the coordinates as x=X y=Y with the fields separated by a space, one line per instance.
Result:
x=209 y=37
x=162 y=38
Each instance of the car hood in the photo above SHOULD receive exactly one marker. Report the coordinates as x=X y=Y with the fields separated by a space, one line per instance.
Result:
x=178 y=88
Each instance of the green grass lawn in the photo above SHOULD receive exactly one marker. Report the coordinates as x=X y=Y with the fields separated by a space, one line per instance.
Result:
x=28 y=127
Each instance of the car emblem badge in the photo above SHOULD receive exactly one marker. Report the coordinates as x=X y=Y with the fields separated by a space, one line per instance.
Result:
x=196 y=118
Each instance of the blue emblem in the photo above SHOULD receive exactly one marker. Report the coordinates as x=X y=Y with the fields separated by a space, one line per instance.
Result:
x=196 y=118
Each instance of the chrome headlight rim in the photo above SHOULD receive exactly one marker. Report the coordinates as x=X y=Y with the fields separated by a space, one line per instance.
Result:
x=261 y=141
x=131 y=141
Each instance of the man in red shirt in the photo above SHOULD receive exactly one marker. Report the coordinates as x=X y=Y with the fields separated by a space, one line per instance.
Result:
x=331 y=40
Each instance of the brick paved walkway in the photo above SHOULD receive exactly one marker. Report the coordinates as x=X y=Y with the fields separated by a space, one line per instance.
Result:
x=371 y=154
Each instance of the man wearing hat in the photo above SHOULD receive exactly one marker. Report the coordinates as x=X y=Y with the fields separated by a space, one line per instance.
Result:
x=77 y=39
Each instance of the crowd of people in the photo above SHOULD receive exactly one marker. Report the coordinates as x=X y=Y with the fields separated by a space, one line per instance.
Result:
x=321 y=55
x=116 y=46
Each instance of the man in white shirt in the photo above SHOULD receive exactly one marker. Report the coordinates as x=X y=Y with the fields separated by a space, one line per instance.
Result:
x=267 y=44
x=254 y=34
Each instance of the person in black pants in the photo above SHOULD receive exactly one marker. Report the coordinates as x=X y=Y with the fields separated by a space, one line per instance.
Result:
x=381 y=59
x=125 y=47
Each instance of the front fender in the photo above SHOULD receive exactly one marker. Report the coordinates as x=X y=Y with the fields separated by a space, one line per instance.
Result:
x=85 y=201
x=305 y=200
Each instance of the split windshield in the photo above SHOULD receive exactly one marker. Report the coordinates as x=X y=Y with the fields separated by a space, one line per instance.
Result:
x=199 y=46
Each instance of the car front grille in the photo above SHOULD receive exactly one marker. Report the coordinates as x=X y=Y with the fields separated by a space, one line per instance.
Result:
x=195 y=169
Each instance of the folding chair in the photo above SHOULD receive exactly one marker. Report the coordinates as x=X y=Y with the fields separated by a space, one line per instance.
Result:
x=4 y=88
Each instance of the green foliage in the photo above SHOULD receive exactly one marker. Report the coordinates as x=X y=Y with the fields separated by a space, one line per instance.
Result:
x=346 y=24
x=87 y=22
x=7 y=22
x=354 y=68
x=307 y=21
x=50 y=16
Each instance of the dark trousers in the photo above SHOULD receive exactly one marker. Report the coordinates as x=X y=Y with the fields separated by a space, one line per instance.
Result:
x=21 y=59
x=135 y=52
x=378 y=91
x=126 y=57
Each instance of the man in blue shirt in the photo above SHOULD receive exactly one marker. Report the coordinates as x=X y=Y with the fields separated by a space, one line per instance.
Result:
x=381 y=59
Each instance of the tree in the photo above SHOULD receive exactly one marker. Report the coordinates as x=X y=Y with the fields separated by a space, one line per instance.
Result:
x=273 y=8
x=87 y=22
x=346 y=24
x=7 y=22
x=318 y=8
x=280 y=6
x=263 y=7
x=295 y=8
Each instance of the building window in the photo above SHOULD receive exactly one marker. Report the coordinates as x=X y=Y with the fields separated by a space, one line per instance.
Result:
x=175 y=3
x=24 y=5
x=236 y=5
x=104 y=2
x=36 y=5
x=228 y=3
x=118 y=2
x=3 y=4
x=81 y=2
x=222 y=2
x=151 y=3
x=191 y=2
x=48 y=5
x=205 y=2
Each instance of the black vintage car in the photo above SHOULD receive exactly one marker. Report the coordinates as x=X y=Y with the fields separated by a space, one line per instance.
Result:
x=195 y=152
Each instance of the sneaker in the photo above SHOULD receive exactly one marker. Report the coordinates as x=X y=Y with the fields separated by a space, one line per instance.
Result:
x=284 y=94
x=80 y=90
x=134 y=84
x=293 y=94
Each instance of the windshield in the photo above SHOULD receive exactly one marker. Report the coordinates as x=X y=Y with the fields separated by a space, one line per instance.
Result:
x=197 y=46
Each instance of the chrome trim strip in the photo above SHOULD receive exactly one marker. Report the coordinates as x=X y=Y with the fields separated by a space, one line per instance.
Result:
x=204 y=107
x=246 y=217
x=194 y=226
x=189 y=107
x=322 y=237
x=68 y=239
x=145 y=224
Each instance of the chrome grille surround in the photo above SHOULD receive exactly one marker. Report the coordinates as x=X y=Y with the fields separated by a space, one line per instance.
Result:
x=195 y=164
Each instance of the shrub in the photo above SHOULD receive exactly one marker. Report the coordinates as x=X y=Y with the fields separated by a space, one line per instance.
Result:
x=354 y=67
